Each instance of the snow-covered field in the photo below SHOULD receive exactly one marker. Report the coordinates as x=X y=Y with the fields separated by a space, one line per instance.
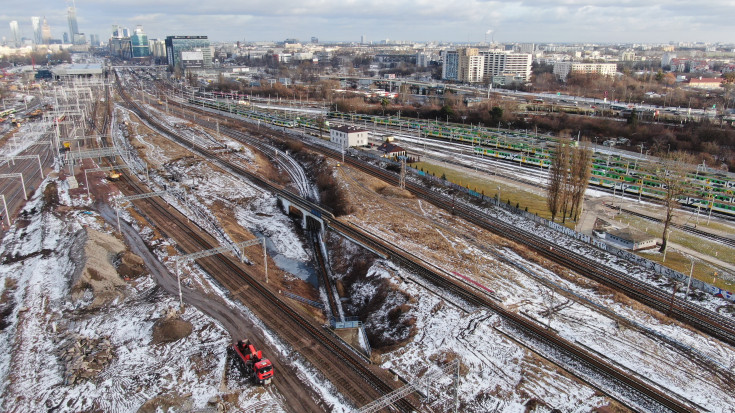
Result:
x=45 y=321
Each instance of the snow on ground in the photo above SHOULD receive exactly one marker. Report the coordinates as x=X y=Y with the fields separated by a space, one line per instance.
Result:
x=525 y=287
x=499 y=374
x=44 y=319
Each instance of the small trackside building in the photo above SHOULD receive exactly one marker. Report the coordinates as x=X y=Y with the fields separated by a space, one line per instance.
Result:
x=346 y=136
x=391 y=150
x=631 y=239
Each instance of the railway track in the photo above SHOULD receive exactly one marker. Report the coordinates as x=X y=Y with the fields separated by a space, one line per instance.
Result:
x=709 y=322
x=238 y=280
x=478 y=298
x=714 y=324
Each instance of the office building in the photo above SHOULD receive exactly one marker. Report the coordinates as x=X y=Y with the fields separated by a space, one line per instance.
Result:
x=121 y=47
x=36 y=25
x=563 y=69
x=14 y=34
x=117 y=31
x=139 y=44
x=158 y=49
x=199 y=52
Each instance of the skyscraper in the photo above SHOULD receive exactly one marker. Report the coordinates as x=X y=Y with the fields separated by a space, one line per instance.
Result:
x=45 y=32
x=14 y=34
x=72 y=18
x=36 y=24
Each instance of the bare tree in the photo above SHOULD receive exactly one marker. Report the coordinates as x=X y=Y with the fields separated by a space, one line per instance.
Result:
x=580 y=171
x=557 y=178
x=671 y=171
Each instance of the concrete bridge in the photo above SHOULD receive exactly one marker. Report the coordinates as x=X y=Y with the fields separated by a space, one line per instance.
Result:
x=310 y=218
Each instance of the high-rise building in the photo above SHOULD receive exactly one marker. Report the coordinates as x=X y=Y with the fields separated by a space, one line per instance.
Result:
x=188 y=51
x=158 y=49
x=473 y=66
x=36 y=24
x=463 y=65
x=72 y=19
x=66 y=38
x=14 y=34
x=45 y=32
x=139 y=44
x=506 y=63
x=450 y=67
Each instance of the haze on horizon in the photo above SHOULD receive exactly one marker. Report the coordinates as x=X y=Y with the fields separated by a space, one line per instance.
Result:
x=540 y=21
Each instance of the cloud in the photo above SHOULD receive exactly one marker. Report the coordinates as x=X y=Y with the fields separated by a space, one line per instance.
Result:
x=450 y=20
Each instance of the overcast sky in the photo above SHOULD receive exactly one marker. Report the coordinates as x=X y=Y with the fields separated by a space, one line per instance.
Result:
x=608 y=21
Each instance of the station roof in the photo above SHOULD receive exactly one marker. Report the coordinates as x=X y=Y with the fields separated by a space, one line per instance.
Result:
x=78 y=69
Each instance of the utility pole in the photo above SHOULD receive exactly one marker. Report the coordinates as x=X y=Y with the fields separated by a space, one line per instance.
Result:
x=691 y=271
x=402 y=180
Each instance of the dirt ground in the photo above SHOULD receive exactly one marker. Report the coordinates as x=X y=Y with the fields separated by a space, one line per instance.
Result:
x=99 y=275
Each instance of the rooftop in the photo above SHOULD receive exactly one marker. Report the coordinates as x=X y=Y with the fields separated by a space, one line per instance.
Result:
x=348 y=129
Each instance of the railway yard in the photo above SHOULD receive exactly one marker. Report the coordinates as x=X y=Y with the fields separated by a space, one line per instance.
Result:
x=125 y=291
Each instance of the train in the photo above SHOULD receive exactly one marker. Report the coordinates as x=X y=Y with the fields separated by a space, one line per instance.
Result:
x=708 y=191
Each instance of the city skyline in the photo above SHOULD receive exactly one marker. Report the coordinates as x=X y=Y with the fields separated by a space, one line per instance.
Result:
x=570 y=21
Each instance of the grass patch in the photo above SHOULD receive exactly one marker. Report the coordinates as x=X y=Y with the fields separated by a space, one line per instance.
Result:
x=536 y=204
x=680 y=261
x=685 y=239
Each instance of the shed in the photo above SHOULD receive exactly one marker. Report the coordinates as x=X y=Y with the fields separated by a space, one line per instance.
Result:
x=631 y=238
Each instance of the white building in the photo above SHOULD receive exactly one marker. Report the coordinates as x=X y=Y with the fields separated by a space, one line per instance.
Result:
x=506 y=63
x=473 y=66
x=563 y=69
x=346 y=136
